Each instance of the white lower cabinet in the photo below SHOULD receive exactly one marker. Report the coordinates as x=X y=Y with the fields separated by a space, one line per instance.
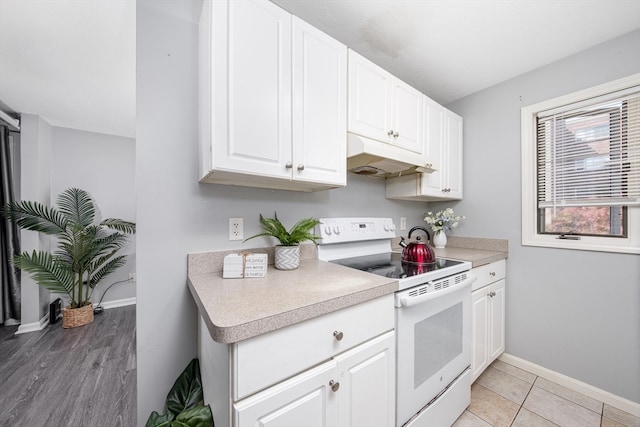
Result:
x=333 y=370
x=305 y=400
x=352 y=389
x=488 y=316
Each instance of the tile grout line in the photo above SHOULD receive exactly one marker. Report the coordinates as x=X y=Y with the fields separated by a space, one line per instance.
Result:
x=523 y=400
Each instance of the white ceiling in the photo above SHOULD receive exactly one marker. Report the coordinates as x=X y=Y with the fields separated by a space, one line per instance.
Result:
x=73 y=61
x=70 y=61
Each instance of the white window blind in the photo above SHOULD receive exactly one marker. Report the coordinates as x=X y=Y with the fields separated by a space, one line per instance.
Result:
x=588 y=153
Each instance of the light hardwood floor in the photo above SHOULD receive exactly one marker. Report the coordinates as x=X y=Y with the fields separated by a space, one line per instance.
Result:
x=81 y=377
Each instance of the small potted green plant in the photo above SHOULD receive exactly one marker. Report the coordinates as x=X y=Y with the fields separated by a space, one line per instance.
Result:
x=87 y=250
x=287 y=253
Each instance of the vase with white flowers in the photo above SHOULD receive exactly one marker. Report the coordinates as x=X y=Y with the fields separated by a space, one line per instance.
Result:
x=440 y=223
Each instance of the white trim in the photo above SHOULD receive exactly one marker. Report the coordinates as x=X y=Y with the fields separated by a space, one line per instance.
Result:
x=600 y=395
x=117 y=303
x=33 y=326
x=530 y=236
x=38 y=326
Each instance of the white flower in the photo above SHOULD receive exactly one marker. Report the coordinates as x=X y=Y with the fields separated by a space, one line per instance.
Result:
x=443 y=220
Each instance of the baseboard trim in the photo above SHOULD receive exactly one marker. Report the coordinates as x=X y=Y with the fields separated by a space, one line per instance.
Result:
x=573 y=384
x=38 y=326
x=117 y=303
x=33 y=326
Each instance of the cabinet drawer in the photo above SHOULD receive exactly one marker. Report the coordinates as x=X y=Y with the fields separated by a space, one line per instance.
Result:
x=267 y=359
x=489 y=273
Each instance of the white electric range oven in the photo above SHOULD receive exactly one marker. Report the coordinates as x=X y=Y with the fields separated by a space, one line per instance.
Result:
x=433 y=318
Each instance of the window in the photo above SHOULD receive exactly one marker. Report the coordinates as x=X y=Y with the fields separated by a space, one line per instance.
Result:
x=581 y=169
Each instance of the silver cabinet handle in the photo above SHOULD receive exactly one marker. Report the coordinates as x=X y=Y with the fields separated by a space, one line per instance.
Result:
x=334 y=386
x=338 y=335
x=396 y=134
x=492 y=273
x=492 y=294
x=390 y=133
x=289 y=165
x=301 y=167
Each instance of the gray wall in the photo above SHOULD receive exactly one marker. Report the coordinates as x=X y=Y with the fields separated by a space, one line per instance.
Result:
x=176 y=215
x=575 y=312
x=35 y=177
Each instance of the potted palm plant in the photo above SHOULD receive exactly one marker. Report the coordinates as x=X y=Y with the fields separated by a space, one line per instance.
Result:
x=87 y=250
x=287 y=253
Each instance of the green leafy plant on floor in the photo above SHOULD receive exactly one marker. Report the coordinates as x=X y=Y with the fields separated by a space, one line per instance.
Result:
x=87 y=250
x=300 y=232
x=185 y=402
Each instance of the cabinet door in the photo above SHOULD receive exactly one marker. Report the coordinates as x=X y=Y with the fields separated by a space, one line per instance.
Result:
x=453 y=158
x=432 y=183
x=256 y=89
x=370 y=99
x=479 y=331
x=367 y=383
x=319 y=103
x=407 y=117
x=304 y=400
x=496 y=320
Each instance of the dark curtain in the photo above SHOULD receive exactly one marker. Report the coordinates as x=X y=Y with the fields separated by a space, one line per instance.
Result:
x=9 y=236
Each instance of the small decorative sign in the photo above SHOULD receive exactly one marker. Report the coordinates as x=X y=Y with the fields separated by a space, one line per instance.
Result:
x=238 y=266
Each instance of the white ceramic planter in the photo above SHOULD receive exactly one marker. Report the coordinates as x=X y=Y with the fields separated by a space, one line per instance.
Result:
x=287 y=257
x=440 y=239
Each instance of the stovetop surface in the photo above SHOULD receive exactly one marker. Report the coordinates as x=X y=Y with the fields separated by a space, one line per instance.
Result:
x=390 y=265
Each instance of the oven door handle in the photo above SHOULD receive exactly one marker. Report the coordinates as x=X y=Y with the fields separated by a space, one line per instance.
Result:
x=408 y=301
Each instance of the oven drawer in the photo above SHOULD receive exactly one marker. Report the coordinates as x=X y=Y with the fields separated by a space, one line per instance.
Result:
x=489 y=273
x=270 y=358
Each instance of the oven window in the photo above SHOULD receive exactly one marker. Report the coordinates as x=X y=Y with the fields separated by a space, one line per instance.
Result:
x=437 y=341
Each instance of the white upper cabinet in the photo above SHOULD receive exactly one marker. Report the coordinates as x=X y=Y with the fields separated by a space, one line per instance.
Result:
x=319 y=106
x=452 y=162
x=443 y=148
x=407 y=117
x=272 y=94
x=382 y=107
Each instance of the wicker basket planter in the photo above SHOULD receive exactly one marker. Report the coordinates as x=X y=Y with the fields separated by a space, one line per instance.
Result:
x=74 y=317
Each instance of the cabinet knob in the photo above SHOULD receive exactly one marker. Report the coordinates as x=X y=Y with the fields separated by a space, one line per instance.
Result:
x=492 y=294
x=334 y=385
x=492 y=273
x=289 y=165
x=338 y=335
x=301 y=167
x=390 y=133
x=396 y=134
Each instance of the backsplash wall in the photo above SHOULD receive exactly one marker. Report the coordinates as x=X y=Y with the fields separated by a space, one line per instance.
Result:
x=176 y=215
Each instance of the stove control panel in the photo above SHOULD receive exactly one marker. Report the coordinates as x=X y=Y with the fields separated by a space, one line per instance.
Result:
x=341 y=230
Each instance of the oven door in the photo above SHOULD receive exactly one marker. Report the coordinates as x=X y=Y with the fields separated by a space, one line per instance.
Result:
x=433 y=344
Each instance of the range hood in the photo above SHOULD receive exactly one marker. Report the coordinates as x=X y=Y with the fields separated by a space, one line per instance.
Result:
x=369 y=157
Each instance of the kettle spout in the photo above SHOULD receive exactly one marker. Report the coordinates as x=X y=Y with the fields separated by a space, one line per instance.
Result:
x=402 y=242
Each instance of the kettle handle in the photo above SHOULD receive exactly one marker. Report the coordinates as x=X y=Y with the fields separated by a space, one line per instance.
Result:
x=417 y=227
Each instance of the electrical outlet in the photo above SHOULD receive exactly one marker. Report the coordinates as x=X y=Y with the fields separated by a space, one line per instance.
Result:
x=236 y=229
x=403 y=223
x=132 y=277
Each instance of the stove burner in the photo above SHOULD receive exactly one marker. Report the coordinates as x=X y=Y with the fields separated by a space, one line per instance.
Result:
x=390 y=265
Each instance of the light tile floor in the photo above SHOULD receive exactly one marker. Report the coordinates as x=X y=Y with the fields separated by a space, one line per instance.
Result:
x=506 y=396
